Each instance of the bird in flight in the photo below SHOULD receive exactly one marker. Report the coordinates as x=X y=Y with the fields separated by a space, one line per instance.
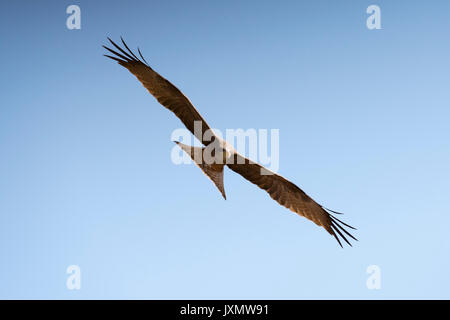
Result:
x=280 y=189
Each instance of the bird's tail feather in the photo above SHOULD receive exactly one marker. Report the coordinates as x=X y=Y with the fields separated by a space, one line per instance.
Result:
x=213 y=172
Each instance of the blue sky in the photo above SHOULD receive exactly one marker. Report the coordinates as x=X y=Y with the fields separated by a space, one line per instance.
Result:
x=86 y=177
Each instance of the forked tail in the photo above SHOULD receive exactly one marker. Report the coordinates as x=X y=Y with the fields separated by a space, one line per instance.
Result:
x=213 y=171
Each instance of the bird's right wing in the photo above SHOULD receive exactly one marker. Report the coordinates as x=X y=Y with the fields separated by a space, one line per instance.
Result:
x=289 y=195
x=165 y=92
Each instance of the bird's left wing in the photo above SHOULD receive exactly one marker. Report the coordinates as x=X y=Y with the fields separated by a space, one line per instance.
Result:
x=165 y=92
x=289 y=195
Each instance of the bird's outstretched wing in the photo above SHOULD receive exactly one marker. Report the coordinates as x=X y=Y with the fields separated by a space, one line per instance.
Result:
x=165 y=92
x=289 y=195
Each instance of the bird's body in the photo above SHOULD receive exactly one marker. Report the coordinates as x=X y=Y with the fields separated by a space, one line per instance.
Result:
x=217 y=153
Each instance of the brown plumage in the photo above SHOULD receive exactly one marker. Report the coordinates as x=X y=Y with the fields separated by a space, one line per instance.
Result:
x=213 y=171
x=280 y=189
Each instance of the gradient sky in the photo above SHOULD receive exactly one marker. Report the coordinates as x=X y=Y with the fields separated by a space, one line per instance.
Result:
x=86 y=177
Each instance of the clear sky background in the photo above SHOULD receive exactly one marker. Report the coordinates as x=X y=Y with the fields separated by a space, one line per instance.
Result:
x=85 y=171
